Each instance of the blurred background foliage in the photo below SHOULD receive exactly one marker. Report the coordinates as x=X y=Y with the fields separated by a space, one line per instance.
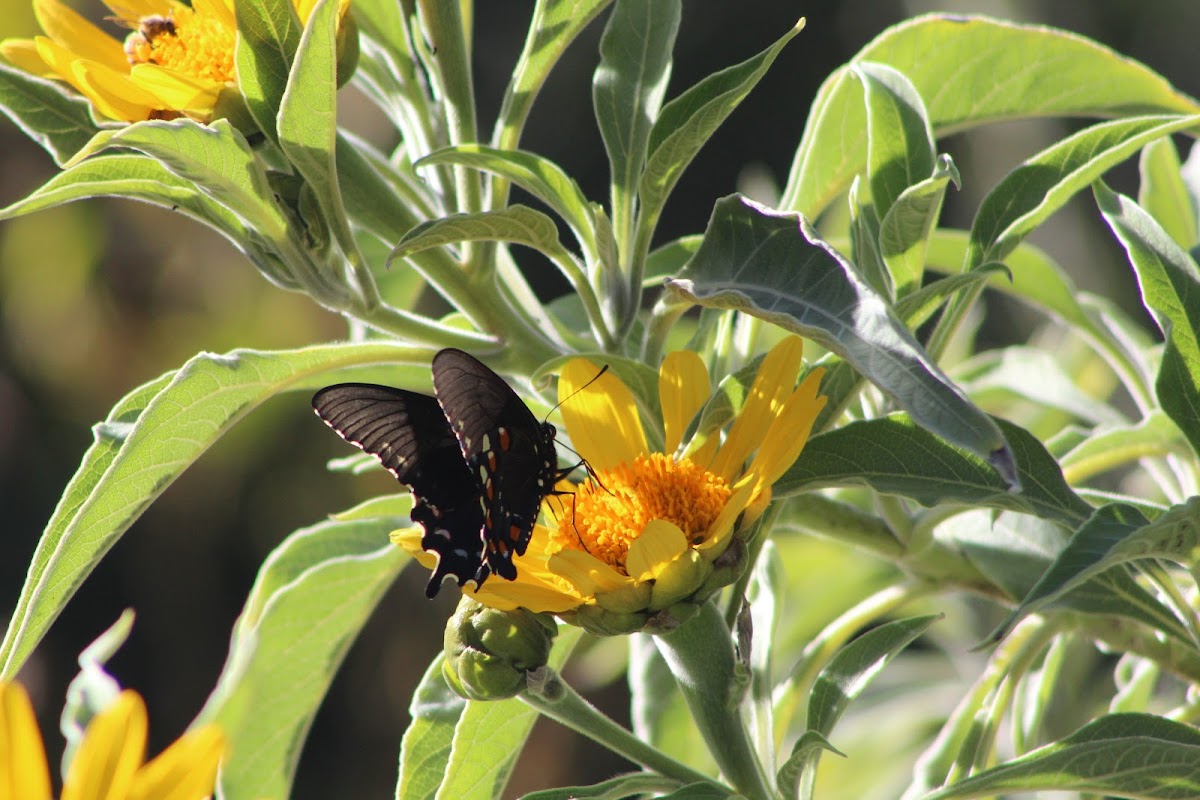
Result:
x=98 y=297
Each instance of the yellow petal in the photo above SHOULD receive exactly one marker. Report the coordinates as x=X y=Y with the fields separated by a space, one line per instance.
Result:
x=790 y=430
x=220 y=9
x=114 y=94
x=410 y=540
x=23 y=770
x=130 y=11
x=678 y=579
x=588 y=574
x=186 y=770
x=602 y=420
x=683 y=389
x=112 y=750
x=774 y=382
x=67 y=27
x=533 y=594
x=23 y=54
x=659 y=543
x=177 y=91
x=716 y=539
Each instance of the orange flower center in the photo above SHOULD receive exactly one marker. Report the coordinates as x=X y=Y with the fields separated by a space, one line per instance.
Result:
x=194 y=44
x=607 y=516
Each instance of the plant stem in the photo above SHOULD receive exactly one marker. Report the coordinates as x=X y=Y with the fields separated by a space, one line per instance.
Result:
x=558 y=701
x=700 y=655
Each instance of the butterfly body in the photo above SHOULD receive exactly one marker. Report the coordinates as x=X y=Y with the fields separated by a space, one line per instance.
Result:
x=477 y=461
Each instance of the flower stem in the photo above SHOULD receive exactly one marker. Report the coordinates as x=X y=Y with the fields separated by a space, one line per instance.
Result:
x=564 y=705
x=700 y=655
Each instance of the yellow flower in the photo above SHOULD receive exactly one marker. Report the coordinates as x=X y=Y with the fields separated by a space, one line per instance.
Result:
x=108 y=763
x=651 y=530
x=177 y=60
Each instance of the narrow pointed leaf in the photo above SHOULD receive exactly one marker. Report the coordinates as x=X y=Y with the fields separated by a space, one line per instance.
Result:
x=268 y=35
x=307 y=122
x=637 y=784
x=629 y=84
x=425 y=750
x=1170 y=284
x=1164 y=194
x=517 y=224
x=906 y=228
x=773 y=266
x=689 y=121
x=1042 y=185
x=900 y=149
x=537 y=175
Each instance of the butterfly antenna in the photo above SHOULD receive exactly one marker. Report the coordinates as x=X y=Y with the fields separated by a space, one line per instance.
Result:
x=595 y=378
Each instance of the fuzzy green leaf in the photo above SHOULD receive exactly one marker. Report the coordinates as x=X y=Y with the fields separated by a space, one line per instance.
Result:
x=900 y=150
x=1164 y=194
x=774 y=266
x=910 y=221
x=312 y=596
x=893 y=456
x=47 y=111
x=629 y=84
x=516 y=224
x=268 y=35
x=1170 y=284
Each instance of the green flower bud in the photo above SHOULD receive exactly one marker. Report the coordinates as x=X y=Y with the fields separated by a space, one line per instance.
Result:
x=602 y=622
x=489 y=652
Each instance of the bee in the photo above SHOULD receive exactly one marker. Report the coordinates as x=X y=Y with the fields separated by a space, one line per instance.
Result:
x=138 y=43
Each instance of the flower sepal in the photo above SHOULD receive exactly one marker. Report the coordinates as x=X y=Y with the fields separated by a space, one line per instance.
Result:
x=490 y=653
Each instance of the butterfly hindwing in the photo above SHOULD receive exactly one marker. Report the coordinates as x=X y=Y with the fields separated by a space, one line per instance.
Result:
x=411 y=437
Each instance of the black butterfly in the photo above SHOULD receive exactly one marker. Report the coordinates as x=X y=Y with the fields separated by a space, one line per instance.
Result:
x=477 y=461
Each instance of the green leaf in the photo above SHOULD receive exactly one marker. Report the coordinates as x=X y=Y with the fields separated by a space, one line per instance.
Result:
x=970 y=71
x=268 y=35
x=517 y=224
x=841 y=681
x=638 y=784
x=312 y=596
x=1170 y=284
x=425 y=750
x=910 y=221
x=375 y=195
x=47 y=111
x=148 y=440
x=1164 y=194
x=537 y=175
x=552 y=28
x=891 y=455
x=900 y=149
x=466 y=751
x=215 y=158
x=307 y=122
x=1122 y=755
x=774 y=266
x=796 y=769
x=1115 y=534
x=628 y=87
x=667 y=260
x=1042 y=185
x=689 y=121
x=1119 y=445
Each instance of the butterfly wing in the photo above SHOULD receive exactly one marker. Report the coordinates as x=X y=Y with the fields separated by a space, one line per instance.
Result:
x=504 y=445
x=410 y=436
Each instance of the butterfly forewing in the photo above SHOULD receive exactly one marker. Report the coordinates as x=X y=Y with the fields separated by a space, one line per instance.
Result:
x=411 y=437
x=511 y=453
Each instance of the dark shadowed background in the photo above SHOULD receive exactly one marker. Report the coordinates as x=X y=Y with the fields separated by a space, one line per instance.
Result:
x=99 y=297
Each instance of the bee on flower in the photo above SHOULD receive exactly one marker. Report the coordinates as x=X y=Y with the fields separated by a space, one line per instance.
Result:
x=177 y=60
